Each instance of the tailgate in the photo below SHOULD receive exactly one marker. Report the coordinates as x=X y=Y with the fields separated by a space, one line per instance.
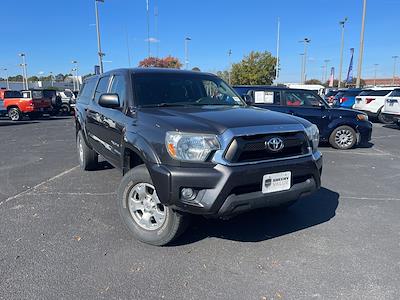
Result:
x=392 y=105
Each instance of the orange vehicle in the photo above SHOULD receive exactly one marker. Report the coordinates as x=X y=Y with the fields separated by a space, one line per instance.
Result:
x=31 y=103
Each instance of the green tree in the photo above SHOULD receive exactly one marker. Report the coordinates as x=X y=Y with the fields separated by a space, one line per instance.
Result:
x=256 y=68
x=16 y=78
x=313 y=81
x=223 y=75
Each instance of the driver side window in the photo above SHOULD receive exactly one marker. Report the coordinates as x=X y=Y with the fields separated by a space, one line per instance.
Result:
x=301 y=99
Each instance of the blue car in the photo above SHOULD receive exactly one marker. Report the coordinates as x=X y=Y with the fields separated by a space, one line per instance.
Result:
x=342 y=128
x=346 y=98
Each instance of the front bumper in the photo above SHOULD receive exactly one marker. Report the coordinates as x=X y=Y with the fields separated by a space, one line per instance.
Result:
x=229 y=190
x=364 y=132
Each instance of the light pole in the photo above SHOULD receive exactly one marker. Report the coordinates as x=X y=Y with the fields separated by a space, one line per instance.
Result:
x=302 y=67
x=8 y=83
x=73 y=78
x=360 y=57
x=230 y=65
x=306 y=41
x=75 y=62
x=24 y=71
x=323 y=74
x=375 y=69
x=148 y=28
x=99 y=53
x=395 y=57
x=341 y=23
x=326 y=61
x=187 y=39
x=277 y=51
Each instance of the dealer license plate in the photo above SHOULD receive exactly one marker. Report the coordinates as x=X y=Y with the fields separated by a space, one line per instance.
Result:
x=276 y=182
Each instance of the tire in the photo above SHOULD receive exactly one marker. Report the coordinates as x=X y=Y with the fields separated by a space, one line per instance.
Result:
x=88 y=159
x=65 y=109
x=384 y=119
x=343 y=138
x=15 y=114
x=137 y=197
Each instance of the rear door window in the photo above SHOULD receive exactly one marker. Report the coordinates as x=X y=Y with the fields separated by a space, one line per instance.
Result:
x=301 y=99
x=395 y=93
x=12 y=94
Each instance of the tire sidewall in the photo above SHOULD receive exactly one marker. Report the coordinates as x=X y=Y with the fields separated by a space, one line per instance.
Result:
x=159 y=236
x=15 y=110
x=333 y=134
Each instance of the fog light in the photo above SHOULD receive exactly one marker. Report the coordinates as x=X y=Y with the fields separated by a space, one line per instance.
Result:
x=188 y=193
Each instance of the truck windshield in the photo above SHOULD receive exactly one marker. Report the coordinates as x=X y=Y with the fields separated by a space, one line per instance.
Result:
x=182 y=90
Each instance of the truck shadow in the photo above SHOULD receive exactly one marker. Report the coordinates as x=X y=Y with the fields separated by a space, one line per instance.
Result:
x=264 y=224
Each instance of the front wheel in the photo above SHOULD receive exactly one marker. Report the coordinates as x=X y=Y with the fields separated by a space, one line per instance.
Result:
x=65 y=109
x=14 y=114
x=147 y=219
x=343 y=138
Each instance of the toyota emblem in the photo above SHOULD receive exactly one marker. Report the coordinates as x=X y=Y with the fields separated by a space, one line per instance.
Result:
x=275 y=144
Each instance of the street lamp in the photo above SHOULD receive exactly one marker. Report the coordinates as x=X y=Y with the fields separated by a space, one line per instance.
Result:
x=323 y=74
x=395 y=57
x=230 y=65
x=187 y=39
x=99 y=53
x=326 y=69
x=341 y=23
x=24 y=71
x=306 y=41
x=360 y=57
x=302 y=67
x=375 y=69
x=8 y=83
x=75 y=62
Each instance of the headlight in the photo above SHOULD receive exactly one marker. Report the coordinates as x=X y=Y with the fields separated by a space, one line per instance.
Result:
x=190 y=146
x=313 y=135
x=362 y=117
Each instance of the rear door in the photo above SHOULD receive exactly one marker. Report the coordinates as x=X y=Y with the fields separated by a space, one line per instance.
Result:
x=306 y=105
x=113 y=119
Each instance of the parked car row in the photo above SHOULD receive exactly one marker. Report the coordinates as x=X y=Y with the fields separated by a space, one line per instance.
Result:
x=371 y=101
x=34 y=103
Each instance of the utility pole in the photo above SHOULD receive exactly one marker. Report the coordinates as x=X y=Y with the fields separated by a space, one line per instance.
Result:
x=341 y=23
x=395 y=57
x=360 y=57
x=277 y=51
x=24 y=71
x=230 y=65
x=148 y=29
x=306 y=41
x=375 y=69
x=99 y=53
x=7 y=81
x=187 y=39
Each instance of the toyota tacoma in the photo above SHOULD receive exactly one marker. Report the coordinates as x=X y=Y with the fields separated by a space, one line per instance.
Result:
x=186 y=143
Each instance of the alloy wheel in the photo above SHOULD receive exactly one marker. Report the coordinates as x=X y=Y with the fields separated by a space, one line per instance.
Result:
x=344 y=138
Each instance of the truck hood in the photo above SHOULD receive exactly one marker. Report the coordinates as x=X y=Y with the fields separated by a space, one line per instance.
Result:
x=344 y=112
x=214 y=119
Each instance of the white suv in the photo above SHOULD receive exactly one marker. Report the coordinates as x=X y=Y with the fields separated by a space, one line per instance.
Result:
x=391 y=110
x=372 y=101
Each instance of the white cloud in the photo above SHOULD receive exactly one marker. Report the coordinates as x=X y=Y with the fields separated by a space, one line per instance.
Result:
x=152 y=40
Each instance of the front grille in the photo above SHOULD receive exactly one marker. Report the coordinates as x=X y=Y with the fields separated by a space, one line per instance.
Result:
x=253 y=148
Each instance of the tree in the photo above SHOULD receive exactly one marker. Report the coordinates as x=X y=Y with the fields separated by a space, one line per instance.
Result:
x=313 y=81
x=17 y=78
x=223 y=75
x=33 y=78
x=166 y=62
x=256 y=68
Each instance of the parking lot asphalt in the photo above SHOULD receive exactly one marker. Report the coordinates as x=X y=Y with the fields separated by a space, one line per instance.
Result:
x=61 y=236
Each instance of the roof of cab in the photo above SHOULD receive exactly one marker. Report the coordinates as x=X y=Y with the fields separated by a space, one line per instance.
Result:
x=158 y=71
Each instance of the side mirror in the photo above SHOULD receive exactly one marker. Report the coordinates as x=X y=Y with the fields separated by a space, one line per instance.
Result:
x=248 y=99
x=109 y=100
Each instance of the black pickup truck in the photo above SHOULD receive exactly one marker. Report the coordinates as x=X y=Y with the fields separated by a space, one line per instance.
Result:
x=188 y=144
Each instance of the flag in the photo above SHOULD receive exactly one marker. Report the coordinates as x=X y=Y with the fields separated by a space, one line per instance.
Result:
x=332 y=77
x=349 y=78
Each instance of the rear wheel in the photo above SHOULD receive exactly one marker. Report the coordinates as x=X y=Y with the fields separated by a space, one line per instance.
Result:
x=147 y=219
x=343 y=138
x=14 y=114
x=88 y=158
x=65 y=109
x=384 y=118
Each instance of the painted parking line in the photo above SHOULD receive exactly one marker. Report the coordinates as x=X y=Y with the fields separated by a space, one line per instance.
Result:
x=38 y=185
x=371 y=198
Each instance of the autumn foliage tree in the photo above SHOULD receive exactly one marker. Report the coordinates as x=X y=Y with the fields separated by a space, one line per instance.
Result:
x=166 y=62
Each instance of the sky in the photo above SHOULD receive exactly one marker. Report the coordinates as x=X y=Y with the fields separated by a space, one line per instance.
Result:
x=52 y=33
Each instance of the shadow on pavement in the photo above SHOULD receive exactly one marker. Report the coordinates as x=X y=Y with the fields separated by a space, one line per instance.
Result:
x=15 y=123
x=392 y=126
x=263 y=224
